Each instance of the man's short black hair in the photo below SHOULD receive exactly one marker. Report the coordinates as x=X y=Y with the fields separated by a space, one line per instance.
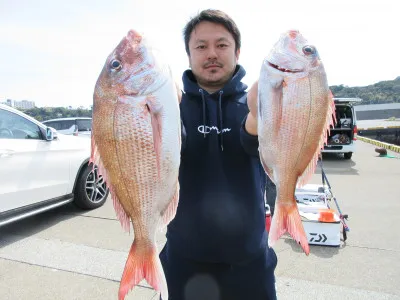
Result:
x=214 y=16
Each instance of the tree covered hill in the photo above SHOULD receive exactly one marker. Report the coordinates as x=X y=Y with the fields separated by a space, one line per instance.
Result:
x=47 y=113
x=382 y=92
x=378 y=93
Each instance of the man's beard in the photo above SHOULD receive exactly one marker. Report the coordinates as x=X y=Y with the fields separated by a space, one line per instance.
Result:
x=207 y=81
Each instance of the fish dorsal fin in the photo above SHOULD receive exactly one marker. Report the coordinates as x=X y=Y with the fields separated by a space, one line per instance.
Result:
x=330 y=121
x=169 y=213
x=95 y=159
x=121 y=214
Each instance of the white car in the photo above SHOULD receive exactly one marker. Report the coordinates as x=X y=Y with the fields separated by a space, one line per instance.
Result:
x=41 y=169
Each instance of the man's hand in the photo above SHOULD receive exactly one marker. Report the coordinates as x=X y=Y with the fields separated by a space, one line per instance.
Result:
x=251 y=121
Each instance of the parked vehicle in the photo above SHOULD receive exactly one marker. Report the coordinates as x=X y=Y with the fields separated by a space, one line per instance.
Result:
x=75 y=126
x=41 y=169
x=343 y=135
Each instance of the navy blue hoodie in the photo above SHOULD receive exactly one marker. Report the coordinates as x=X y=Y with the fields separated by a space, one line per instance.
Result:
x=221 y=211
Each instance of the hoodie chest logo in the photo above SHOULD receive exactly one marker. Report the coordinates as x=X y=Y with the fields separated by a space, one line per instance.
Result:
x=208 y=129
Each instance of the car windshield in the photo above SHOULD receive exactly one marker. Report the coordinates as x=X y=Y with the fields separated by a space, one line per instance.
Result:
x=14 y=126
x=343 y=111
x=84 y=125
x=61 y=125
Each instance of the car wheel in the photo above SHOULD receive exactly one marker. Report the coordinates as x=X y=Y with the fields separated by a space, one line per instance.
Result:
x=348 y=155
x=91 y=191
x=270 y=194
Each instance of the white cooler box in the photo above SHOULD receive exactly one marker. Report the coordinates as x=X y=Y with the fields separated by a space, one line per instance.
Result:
x=312 y=198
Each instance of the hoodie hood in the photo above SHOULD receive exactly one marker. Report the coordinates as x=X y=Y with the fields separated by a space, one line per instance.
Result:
x=232 y=90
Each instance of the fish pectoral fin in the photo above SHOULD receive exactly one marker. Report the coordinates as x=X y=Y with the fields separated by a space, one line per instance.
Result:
x=287 y=219
x=169 y=213
x=156 y=124
x=143 y=263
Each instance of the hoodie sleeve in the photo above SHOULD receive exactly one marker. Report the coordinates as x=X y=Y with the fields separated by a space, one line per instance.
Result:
x=249 y=142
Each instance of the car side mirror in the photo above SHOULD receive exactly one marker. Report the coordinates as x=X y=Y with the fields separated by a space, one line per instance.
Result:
x=51 y=134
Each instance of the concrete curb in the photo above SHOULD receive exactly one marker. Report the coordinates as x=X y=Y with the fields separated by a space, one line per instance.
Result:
x=379 y=144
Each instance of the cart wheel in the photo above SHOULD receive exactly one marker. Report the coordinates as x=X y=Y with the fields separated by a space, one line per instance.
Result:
x=344 y=234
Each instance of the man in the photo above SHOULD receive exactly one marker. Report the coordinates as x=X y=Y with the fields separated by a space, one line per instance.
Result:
x=217 y=244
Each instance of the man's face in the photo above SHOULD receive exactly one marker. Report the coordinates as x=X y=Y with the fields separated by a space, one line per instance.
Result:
x=212 y=55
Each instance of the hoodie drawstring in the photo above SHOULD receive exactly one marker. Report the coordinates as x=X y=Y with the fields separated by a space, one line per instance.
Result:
x=221 y=138
x=204 y=112
x=220 y=119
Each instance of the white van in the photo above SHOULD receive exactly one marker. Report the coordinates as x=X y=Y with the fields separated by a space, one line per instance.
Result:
x=341 y=138
x=81 y=126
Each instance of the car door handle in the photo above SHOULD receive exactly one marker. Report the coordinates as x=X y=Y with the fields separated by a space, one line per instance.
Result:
x=6 y=153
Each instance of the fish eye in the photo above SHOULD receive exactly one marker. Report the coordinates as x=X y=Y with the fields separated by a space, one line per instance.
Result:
x=309 y=50
x=116 y=64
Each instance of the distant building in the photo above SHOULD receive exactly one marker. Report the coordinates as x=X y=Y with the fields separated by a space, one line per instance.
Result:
x=377 y=111
x=24 y=104
x=8 y=102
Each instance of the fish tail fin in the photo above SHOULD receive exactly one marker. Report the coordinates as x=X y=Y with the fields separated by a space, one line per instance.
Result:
x=143 y=263
x=287 y=219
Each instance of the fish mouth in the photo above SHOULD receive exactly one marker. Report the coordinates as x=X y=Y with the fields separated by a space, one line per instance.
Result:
x=283 y=69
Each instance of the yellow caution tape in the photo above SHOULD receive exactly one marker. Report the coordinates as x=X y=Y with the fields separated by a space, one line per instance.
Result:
x=374 y=128
x=379 y=144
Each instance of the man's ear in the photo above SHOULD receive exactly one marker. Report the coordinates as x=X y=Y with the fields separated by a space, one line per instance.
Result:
x=237 y=55
x=190 y=63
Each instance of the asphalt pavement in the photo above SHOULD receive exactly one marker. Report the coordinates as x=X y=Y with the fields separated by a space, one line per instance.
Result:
x=70 y=254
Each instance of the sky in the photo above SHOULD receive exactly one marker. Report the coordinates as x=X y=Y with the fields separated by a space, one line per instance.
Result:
x=52 y=51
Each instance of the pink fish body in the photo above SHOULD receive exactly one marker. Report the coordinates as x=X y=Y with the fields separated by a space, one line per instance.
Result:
x=136 y=144
x=295 y=111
